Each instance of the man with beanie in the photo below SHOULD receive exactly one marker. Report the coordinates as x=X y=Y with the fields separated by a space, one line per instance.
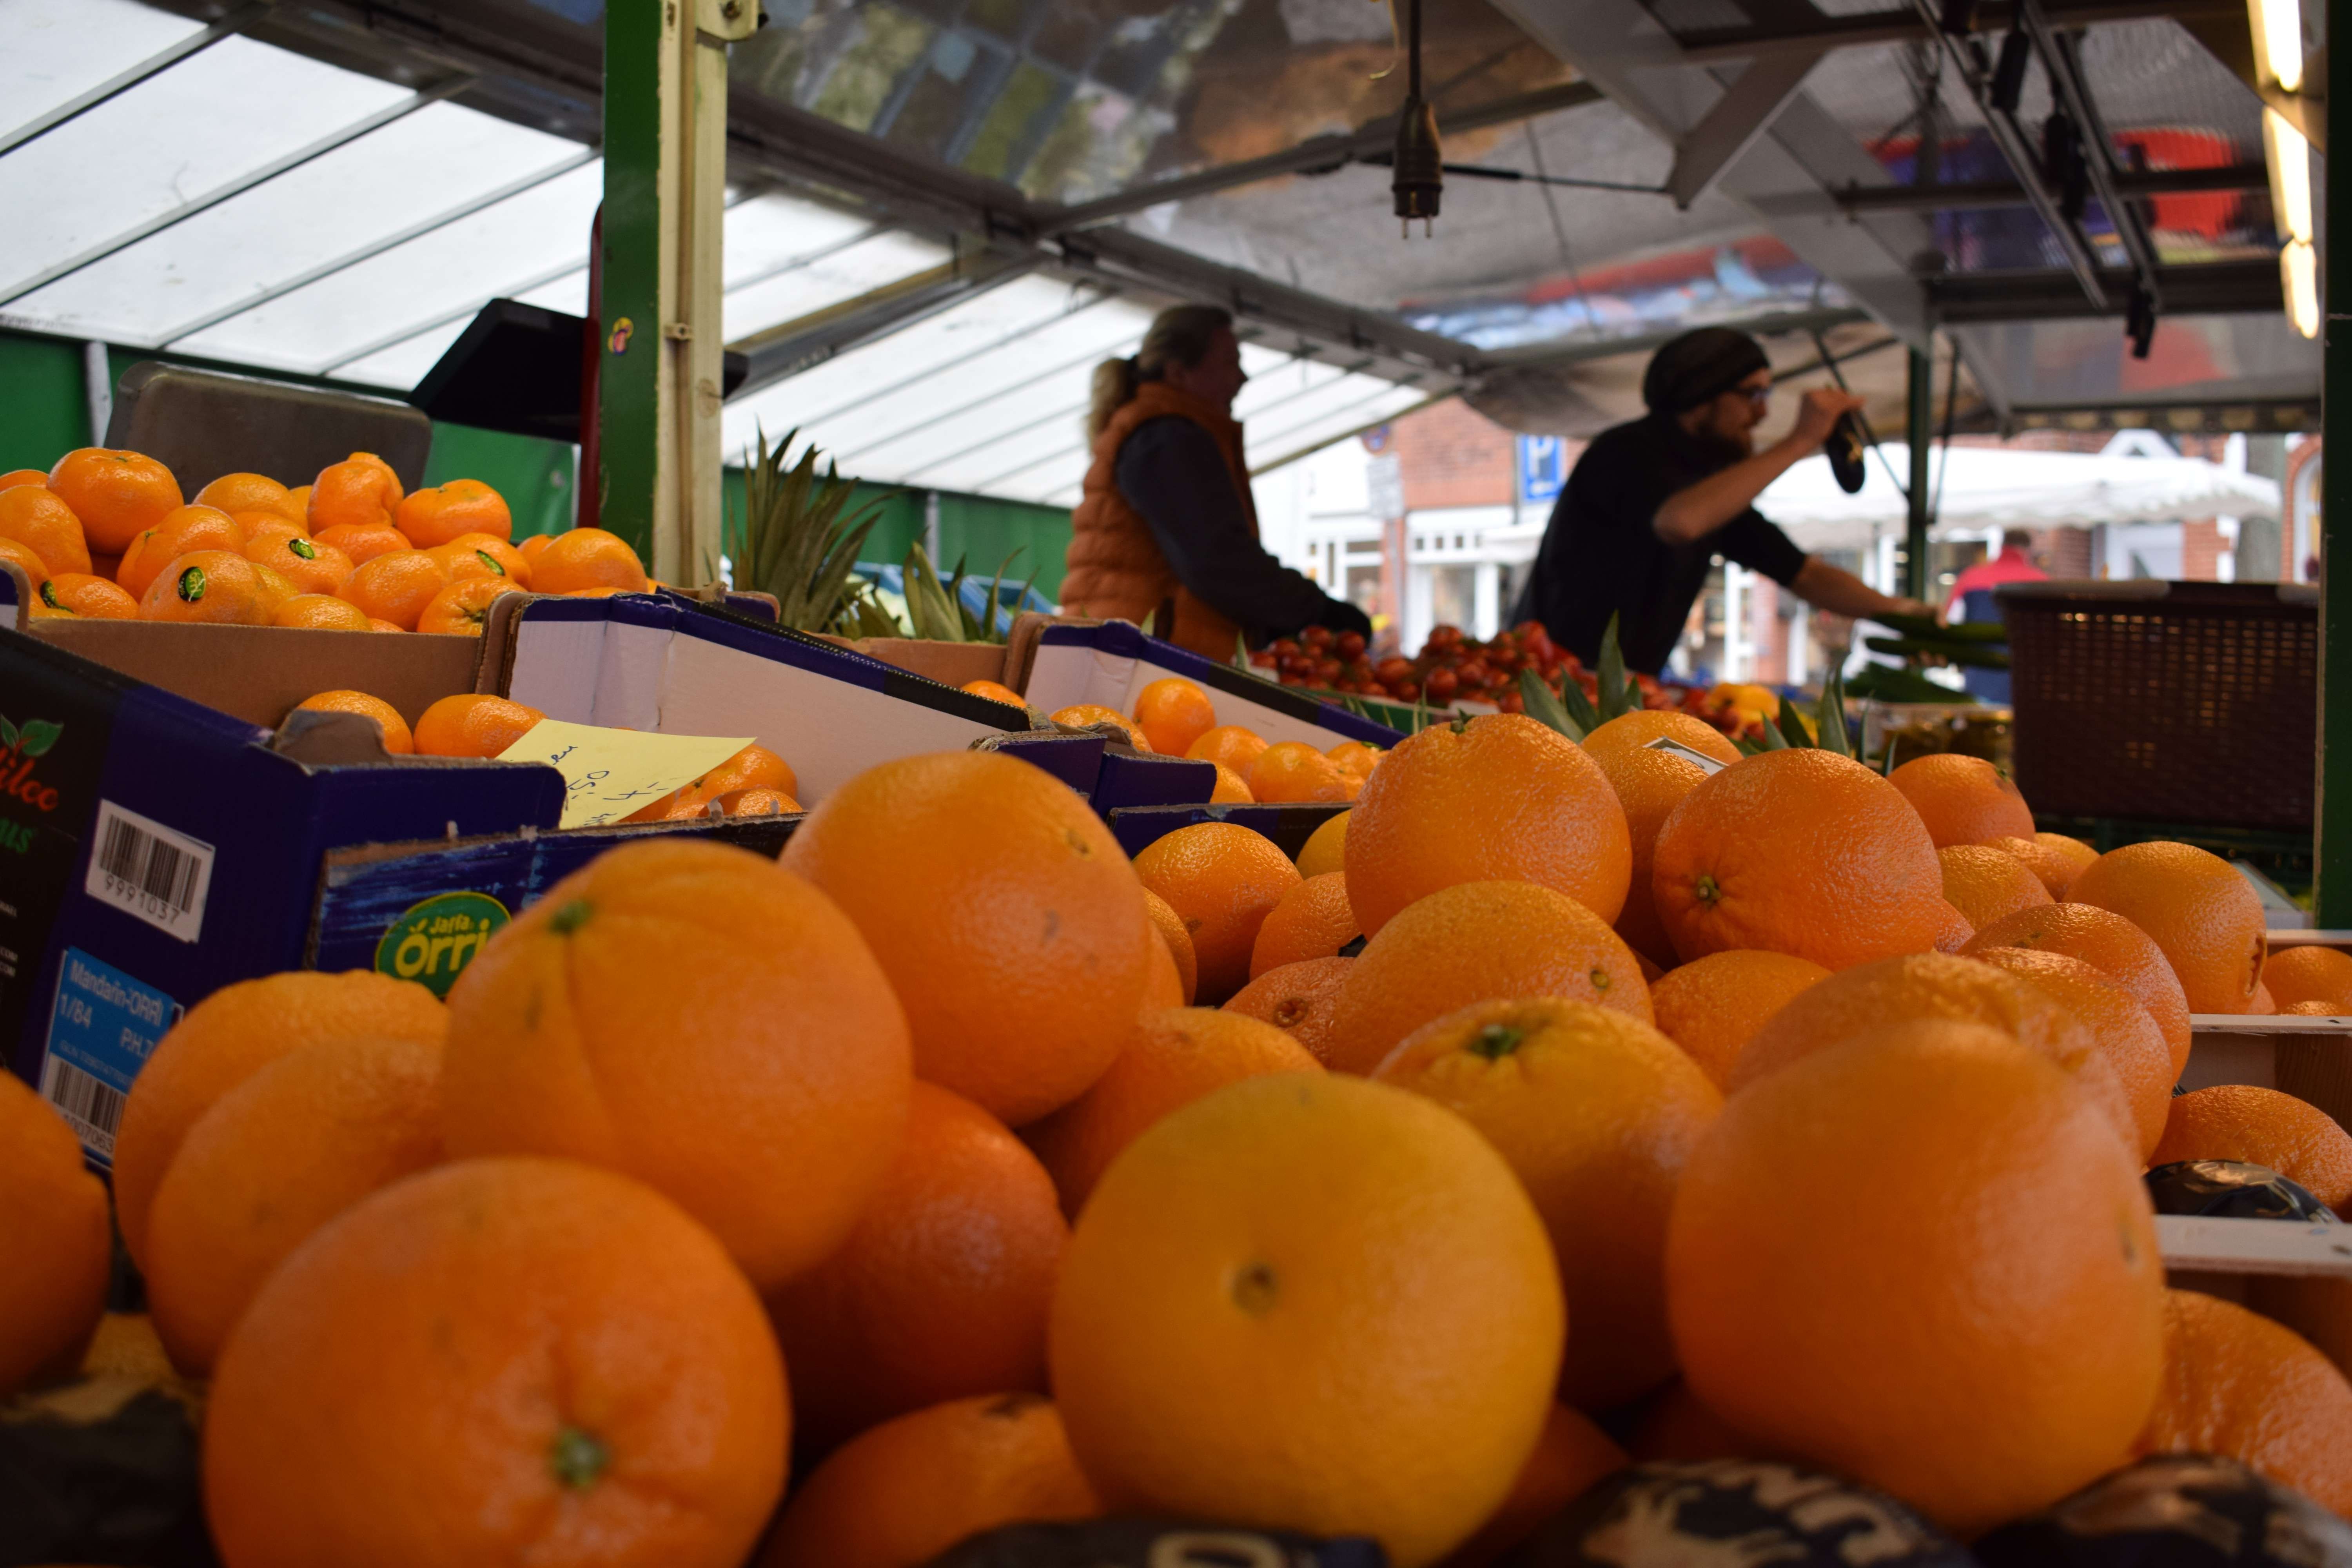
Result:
x=1650 y=504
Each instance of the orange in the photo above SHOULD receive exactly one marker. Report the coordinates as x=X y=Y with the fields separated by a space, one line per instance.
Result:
x=320 y=612
x=294 y=1145
x=1231 y=788
x=1597 y=1113
x=995 y=691
x=92 y=596
x=263 y=526
x=1358 y=758
x=1570 y=1456
x=1498 y=797
x=396 y=586
x=1649 y=786
x=180 y=532
x=312 y=566
x=1310 y=1301
x=1087 y=715
x=16 y=477
x=464 y=606
x=1326 y=850
x=2200 y=912
x=1231 y=744
x=396 y=737
x=1163 y=988
x=2262 y=1127
x=1300 y=999
x=226 y=1039
x=364 y=543
x=766 y=1094
x=1987 y=884
x=35 y=570
x=1713 y=1006
x=482 y=555
x=753 y=767
x=1635 y=731
x=275 y=589
x=1293 y=771
x=54 y=1233
x=1919 y=1259
x=1313 y=921
x=1963 y=800
x=1174 y=714
x=298 y=505
x=440 y=513
x=1477 y=941
x=532 y=546
x=2314 y=1010
x=218 y=586
x=585 y=558
x=359 y=492
x=2120 y=1027
x=2076 y=853
x=1223 y=880
x=1799 y=851
x=1170 y=927
x=2237 y=1384
x=234 y=493
x=757 y=803
x=2051 y=868
x=1170 y=1058
x=1003 y=911
x=595 y=593
x=2264 y=1004
x=473 y=724
x=116 y=494
x=36 y=519
x=623 y=1399
x=941 y=1289
x=2297 y=974
x=910 y=1489
x=2108 y=944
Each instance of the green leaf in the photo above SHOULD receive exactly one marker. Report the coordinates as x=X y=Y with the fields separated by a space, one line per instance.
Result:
x=934 y=614
x=1746 y=747
x=1792 y=724
x=39 y=735
x=1774 y=740
x=1829 y=717
x=1611 y=672
x=1579 y=706
x=1543 y=705
x=7 y=735
x=1887 y=765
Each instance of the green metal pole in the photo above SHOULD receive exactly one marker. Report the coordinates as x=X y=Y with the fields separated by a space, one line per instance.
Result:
x=2333 y=832
x=628 y=411
x=1920 y=428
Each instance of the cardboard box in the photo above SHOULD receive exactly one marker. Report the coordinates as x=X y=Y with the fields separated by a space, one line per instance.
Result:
x=1111 y=662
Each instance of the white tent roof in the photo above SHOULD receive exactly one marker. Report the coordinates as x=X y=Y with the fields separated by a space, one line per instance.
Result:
x=1983 y=488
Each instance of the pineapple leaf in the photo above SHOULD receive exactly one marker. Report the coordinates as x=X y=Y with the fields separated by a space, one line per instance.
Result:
x=1793 y=725
x=1612 y=671
x=1543 y=704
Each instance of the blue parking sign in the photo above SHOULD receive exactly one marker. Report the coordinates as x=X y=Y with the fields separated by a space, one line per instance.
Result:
x=1543 y=465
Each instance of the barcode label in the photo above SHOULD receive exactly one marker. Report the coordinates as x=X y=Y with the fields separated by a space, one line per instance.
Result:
x=146 y=870
x=89 y=1104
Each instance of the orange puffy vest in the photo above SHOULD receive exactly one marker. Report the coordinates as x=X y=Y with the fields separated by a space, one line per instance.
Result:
x=1114 y=570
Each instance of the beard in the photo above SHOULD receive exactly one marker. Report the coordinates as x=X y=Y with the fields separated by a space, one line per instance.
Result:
x=1707 y=450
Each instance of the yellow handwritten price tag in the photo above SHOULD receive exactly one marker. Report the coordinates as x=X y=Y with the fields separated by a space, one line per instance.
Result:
x=610 y=773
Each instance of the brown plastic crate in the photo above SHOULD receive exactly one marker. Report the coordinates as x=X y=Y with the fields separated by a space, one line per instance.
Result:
x=2188 y=703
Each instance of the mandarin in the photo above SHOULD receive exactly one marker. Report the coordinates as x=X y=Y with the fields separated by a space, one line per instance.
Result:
x=53 y=1234
x=2262 y=1127
x=2194 y=906
x=1986 y=884
x=1312 y=920
x=2298 y=975
x=441 y=513
x=1090 y=715
x=585 y=558
x=463 y=608
x=1326 y=850
x=1231 y=744
x=2239 y=1384
x=1712 y=1007
x=995 y=691
x=1292 y=772
x=1300 y=999
x=1174 y=714
x=397 y=740
x=395 y=587
x=482 y=555
x=2121 y=1029
x=1223 y=880
x=320 y=612
x=213 y=586
x=312 y=567
x=180 y=532
x=758 y=802
x=88 y=595
x=234 y=493
x=1355 y=757
x=1963 y=800
x=2108 y=944
x=753 y=767
x=363 y=544
x=2051 y=868
x=35 y=570
x=1231 y=788
x=115 y=494
x=35 y=518
x=16 y=477
x=1570 y=1458
x=473 y=724
x=1171 y=926
x=358 y=492
x=298 y=505
x=1649 y=784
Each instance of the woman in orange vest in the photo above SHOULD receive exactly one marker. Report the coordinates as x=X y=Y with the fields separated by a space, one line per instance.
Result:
x=1165 y=533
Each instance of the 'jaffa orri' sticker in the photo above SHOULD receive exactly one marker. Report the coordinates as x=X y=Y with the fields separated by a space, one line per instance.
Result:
x=433 y=940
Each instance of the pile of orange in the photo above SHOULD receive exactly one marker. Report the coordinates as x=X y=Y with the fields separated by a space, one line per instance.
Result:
x=105 y=535
x=956 y=1170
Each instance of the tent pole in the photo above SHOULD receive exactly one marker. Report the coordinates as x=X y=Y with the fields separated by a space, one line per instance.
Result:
x=1920 y=431
x=2332 y=832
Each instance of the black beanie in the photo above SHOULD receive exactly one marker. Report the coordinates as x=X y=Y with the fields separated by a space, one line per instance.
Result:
x=1691 y=368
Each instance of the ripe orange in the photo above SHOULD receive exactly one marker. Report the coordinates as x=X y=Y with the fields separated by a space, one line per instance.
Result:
x=585 y=558
x=263 y=528
x=1817 y=1237
x=275 y=590
x=2076 y=853
x=1163 y=988
x=1635 y=731
x=440 y=513
x=2120 y=1027
x=473 y=724
x=275 y=1158
x=53 y=1231
x=994 y=691
x=1313 y=921
x=88 y=595
x=531 y=545
x=1496 y=797
x=2264 y=1004
x=1570 y=1458
x=1231 y=788
x=1173 y=714
x=2051 y=868
x=1358 y=758
x=1310 y=1301
x=1326 y=850
x=482 y=555
x=1478 y=941
x=364 y=543
x=1223 y=880
x=215 y=586
x=180 y=532
x=1293 y=771
x=753 y=767
x=234 y=493
x=940 y=1292
x=1003 y=911
x=1171 y=926
x=35 y=570
x=1171 y=1058
x=1087 y=715
x=2297 y=974
x=226 y=1039
x=464 y=608
x=757 y=803
x=1799 y=851
x=767 y=1097
x=320 y=612
x=16 y=477
x=623 y=1399
x=116 y=494
x=1963 y=800
x=1231 y=744
x=2108 y=944
x=35 y=518
x=396 y=586
x=397 y=740
x=1300 y=999
x=298 y=505
x=910 y=1489
x=1597 y=1113
x=2262 y=1127
x=359 y=492
x=1713 y=1006
x=312 y=566
x=2239 y=1384
x=1987 y=884
x=1649 y=786
x=2314 y=1010
x=2197 y=911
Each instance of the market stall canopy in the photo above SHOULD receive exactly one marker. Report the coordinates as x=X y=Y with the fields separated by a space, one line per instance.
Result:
x=1984 y=487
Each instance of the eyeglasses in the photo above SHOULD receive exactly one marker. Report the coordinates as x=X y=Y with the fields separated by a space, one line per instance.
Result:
x=1758 y=396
